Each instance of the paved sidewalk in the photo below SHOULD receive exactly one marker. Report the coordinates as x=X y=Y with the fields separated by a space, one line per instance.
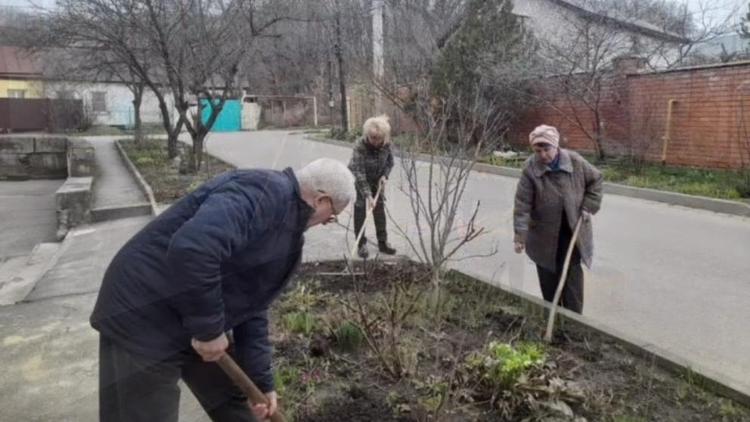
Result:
x=49 y=351
x=28 y=215
x=114 y=187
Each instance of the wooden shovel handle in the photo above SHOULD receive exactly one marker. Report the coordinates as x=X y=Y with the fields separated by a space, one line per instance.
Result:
x=367 y=217
x=561 y=283
x=241 y=380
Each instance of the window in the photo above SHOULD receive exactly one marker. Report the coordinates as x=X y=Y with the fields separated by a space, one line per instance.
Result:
x=98 y=101
x=16 y=93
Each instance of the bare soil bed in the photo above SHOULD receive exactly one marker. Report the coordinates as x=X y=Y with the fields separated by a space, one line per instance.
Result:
x=379 y=346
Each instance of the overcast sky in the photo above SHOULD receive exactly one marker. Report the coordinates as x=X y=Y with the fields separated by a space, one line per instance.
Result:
x=718 y=9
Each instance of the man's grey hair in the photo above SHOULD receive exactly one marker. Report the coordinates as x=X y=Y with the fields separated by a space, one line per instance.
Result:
x=329 y=176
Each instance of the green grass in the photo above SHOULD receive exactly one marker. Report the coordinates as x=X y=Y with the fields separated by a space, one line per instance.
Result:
x=702 y=182
x=162 y=173
x=503 y=162
x=722 y=184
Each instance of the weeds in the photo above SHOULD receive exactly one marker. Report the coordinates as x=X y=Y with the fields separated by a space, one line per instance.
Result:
x=301 y=323
x=349 y=337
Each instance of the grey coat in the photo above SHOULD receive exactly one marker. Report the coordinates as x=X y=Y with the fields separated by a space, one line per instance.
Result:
x=368 y=164
x=541 y=197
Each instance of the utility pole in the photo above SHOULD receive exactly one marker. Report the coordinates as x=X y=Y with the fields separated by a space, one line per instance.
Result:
x=331 y=102
x=377 y=52
x=342 y=78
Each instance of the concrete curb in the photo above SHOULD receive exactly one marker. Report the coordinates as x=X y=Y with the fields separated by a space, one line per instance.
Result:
x=20 y=275
x=99 y=215
x=681 y=199
x=672 y=198
x=705 y=377
x=145 y=188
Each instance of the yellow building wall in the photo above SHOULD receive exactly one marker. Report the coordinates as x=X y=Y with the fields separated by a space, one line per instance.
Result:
x=34 y=89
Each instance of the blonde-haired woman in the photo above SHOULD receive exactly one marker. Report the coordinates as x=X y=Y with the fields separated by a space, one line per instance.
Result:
x=372 y=160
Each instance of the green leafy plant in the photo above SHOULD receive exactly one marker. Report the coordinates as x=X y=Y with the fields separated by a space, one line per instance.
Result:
x=285 y=377
x=435 y=392
x=502 y=365
x=301 y=323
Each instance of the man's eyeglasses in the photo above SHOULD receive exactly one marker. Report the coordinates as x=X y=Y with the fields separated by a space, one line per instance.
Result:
x=334 y=212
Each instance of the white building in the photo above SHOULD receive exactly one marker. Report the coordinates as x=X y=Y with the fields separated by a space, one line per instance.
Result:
x=109 y=103
x=578 y=28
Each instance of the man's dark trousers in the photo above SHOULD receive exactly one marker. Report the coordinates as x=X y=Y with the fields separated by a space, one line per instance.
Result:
x=133 y=388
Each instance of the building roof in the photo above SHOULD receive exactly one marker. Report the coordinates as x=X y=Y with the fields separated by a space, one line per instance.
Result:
x=729 y=43
x=582 y=8
x=15 y=63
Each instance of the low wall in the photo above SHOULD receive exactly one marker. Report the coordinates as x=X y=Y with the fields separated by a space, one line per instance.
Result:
x=33 y=157
x=54 y=157
x=80 y=158
x=73 y=204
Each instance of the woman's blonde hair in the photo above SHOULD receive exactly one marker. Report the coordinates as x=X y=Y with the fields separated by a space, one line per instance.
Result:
x=379 y=125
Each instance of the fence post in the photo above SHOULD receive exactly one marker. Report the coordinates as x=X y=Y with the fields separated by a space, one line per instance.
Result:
x=315 y=111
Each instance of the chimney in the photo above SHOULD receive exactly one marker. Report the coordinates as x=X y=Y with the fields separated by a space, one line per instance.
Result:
x=627 y=64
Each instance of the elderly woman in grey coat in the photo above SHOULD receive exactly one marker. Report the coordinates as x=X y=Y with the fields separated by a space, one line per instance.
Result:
x=556 y=188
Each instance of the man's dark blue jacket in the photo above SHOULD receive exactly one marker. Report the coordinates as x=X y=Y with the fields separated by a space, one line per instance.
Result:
x=213 y=261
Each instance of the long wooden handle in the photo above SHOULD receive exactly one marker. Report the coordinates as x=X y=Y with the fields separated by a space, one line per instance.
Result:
x=563 y=279
x=367 y=215
x=241 y=380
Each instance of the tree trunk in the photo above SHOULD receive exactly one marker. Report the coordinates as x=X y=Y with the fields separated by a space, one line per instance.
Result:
x=435 y=281
x=137 y=99
x=196 y=161
x=166 y=120
x=172 y=144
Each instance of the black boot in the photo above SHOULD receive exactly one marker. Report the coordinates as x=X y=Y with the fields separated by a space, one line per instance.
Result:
x=386 y=248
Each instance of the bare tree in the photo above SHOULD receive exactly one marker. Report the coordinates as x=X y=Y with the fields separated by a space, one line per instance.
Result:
x=189 y=50
x=103 y=37
x=199 y=46
x=700 y=26
x=579 y=70
x=436 y=169
x=311 y=53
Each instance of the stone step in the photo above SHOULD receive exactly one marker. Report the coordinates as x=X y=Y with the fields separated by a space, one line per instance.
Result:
x=117 y=212
x=19 y=275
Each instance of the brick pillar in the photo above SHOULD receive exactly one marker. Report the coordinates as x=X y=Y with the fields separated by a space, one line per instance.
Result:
x=619 y=135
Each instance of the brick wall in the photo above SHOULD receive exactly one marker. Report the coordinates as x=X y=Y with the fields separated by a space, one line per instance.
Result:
x=710 y=119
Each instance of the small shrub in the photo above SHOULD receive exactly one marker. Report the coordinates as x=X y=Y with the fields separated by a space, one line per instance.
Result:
x=435 y=392
x=300 y=323
x=302 y=298
x=349 y=337
x=502 y=365
x=743 y=183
